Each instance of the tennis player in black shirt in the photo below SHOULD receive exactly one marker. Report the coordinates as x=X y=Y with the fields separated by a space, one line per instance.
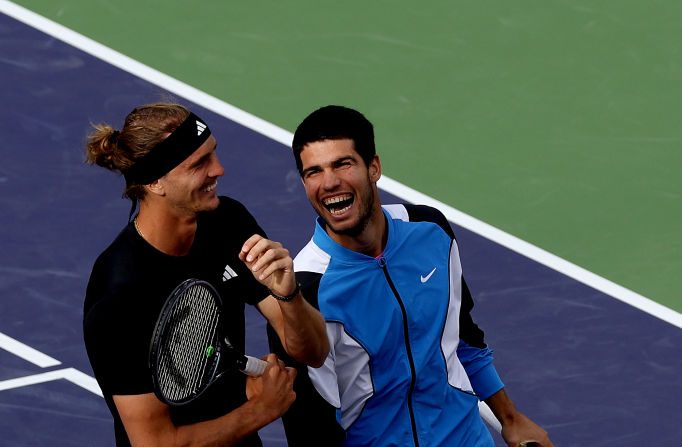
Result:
x=168 y=158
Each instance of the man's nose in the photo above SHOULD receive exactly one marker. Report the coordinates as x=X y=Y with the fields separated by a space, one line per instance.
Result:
x=216 y=169
x=330 y=180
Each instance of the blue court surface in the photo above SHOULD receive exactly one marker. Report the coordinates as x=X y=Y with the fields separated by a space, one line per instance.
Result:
x=590 y=369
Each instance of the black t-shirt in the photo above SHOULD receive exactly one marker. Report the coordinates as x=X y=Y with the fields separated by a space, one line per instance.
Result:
x=129 y=284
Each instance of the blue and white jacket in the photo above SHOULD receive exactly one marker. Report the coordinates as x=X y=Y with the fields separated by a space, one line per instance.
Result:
x=407 y=364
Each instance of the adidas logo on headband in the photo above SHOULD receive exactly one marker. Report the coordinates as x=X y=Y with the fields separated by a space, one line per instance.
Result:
x=200 y=127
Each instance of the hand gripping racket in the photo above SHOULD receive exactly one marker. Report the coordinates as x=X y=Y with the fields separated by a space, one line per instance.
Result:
x=188 y=351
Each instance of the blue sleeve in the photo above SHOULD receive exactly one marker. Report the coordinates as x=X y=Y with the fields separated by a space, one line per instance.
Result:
x=478 y=364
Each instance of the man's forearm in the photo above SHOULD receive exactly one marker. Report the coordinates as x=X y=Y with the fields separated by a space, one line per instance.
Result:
x=304 y=332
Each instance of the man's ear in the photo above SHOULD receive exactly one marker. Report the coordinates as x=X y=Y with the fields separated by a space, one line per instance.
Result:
x=375 y=169
x=155 y=187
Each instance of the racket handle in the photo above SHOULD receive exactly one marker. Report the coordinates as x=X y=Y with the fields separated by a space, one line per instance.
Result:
x=254 y=367
x=489 y=417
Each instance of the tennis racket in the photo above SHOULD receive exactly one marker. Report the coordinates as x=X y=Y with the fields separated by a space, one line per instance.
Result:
x=188 y=351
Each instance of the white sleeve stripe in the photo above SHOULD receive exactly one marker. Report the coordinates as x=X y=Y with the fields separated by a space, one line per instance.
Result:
x=344 y=380
x=457 y=376
x=311 y=259
x=397 y=211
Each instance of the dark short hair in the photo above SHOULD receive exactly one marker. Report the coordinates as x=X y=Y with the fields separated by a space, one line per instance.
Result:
x=335 y=123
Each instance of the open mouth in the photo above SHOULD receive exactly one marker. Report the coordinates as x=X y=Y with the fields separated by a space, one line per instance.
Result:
x=211 y=187
x=339 y=204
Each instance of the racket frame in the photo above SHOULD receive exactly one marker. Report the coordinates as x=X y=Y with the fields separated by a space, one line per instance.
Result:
x=155 y=350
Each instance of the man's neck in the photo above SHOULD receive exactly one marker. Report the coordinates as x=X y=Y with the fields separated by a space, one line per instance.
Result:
x=371 y=241
x=169 y=233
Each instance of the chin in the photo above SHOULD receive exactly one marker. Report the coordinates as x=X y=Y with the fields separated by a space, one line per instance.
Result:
x=353 y=228
x=209 y=205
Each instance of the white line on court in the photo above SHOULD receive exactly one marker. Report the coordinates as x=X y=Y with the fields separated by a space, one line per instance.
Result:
x=44 y=361
x=282 y=136
x=26 y=352
x=72 y=375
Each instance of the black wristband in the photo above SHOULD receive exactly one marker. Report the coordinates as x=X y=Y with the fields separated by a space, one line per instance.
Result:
x=287 y=298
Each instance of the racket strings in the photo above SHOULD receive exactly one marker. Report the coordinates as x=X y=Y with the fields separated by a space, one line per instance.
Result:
x=206 y=323
x=184 y=364
x=191 y=335
x=172 y=370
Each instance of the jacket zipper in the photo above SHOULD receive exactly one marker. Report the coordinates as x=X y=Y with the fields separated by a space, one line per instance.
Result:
x=406 y=334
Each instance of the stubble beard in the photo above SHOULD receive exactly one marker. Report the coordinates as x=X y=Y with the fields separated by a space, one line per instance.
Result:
x=363 y=221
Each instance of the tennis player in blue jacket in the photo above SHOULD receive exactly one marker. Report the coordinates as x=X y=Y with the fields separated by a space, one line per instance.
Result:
x=407 y=365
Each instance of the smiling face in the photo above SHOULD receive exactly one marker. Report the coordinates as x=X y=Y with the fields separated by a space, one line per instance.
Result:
x=340 y=187
x=190 y=187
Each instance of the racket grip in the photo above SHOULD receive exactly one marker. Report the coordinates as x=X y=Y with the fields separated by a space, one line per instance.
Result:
x=254 y=367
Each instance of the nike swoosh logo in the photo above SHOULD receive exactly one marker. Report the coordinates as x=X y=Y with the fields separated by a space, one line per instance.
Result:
x=427 y=277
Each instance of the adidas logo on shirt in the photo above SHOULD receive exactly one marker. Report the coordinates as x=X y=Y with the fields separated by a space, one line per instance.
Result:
x=228 y=273
x=200 y=127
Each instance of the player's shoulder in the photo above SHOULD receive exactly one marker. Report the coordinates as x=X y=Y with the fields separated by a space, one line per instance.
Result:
x=231 y=216
x=233 y=207
x=419 y=213
x=311 y=258
x=118 y=251
x=117 y=265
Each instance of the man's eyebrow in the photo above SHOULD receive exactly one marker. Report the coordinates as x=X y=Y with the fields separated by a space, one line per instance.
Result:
x=334 y=162
x=199 y=160
x=344 y=158
x=310 y=168
x=203 y=158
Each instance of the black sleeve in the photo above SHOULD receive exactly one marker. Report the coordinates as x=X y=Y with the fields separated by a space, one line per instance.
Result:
x=311 y=420
x=469 y=331
x=112 y=336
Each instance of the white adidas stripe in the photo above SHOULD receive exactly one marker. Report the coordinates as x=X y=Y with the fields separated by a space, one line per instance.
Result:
x=228 y=273
x=200 y=127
